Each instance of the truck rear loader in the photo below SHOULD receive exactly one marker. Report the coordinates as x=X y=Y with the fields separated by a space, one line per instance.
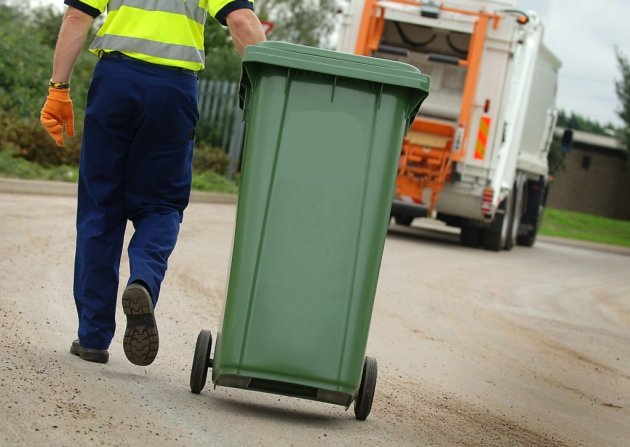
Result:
x=476 y=154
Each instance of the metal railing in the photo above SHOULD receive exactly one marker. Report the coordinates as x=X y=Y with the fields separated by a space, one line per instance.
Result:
x=218 y=106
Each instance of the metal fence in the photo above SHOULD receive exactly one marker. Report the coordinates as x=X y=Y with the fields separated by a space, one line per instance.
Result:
x=218 y=105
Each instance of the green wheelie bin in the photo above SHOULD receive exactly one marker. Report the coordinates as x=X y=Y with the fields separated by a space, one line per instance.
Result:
x=323 y=137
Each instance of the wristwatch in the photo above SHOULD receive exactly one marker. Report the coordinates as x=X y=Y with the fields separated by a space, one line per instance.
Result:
x=59 y=85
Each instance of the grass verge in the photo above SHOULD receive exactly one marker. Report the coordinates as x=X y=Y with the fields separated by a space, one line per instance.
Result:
x=565 y=224
x=585 y=227
x=17 y=167
x=13 y=166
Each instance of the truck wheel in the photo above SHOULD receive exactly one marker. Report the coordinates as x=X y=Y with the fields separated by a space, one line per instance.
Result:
x=403 y=220
x=529 y=238
x=536 y=198
x=365 y=396
x=201 y=361
x=517 y=211
x=495 y=237
x=470 y=236
x=492 y=240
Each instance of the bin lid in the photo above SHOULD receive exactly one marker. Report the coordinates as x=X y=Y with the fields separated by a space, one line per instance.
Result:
x=336 y=63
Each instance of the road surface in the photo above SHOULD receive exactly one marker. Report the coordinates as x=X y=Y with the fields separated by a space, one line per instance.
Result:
x=523 y=348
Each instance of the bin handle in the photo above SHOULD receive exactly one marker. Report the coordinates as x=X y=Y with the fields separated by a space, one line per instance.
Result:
x=245 y=88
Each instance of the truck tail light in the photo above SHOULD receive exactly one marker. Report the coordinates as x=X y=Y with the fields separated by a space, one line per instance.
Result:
x=486 y=201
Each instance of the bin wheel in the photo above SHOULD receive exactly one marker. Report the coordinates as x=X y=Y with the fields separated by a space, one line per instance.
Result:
x=365 y=396
x=201 y=361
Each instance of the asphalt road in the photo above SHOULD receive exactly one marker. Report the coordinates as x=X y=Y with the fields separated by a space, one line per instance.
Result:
x=526 y=348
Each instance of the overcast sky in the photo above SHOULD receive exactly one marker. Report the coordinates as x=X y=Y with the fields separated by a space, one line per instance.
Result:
x=583 y=34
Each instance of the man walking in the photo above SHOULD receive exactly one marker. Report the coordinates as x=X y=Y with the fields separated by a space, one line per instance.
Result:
x=137 y=151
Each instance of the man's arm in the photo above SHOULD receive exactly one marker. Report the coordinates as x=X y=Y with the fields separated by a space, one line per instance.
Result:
x=72 y=35
x=57 y=114
x=245 y=29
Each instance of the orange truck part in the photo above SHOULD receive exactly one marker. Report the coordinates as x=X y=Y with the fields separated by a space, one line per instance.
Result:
x=425 y=160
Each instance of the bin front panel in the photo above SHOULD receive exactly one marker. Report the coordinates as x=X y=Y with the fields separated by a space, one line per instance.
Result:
x=321 y=154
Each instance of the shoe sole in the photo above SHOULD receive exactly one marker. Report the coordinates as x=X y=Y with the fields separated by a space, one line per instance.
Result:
x=141 y=340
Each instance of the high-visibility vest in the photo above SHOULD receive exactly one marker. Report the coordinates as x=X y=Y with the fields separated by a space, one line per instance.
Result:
x=165 y=32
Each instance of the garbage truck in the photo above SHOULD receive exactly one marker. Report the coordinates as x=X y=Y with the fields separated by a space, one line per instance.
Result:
x=476 y=154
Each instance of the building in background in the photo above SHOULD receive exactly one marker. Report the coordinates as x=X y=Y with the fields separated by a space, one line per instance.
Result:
x=594 y=179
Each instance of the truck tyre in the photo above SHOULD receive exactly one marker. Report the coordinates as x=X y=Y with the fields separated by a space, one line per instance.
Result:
x=536 y=198
x=529 y=237
x=470 y=236
x=405 y=221
x=492 y=238
x=517 y=211
x=495 y=237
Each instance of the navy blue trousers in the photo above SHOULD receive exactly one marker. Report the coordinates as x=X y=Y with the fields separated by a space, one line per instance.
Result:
x=136 y=165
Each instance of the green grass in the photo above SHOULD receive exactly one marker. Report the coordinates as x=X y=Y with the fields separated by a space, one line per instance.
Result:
x=210 y=181
x=586 y=227
x=16 y=167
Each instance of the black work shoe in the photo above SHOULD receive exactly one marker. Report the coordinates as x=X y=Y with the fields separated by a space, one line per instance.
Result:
x=141 y=341
x=89 y=354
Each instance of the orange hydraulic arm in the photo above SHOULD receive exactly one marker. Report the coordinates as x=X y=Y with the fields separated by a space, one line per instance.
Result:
x=475 y=53
x=371 y=30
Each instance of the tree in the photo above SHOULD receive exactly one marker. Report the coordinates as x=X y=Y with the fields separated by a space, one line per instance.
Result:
x=24 y=64
x=305 y=22
x=622 y=86
x=579 y=122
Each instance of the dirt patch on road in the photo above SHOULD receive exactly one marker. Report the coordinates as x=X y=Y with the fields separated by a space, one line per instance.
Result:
x=445 y=419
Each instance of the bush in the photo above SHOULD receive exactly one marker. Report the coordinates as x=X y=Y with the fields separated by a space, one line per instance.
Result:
x=34 y=144
x=208 y=158
x=12 y=165
x=211 y=181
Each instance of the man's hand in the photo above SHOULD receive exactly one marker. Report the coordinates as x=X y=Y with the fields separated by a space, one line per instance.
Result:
x=57 y=114
x=245 y=29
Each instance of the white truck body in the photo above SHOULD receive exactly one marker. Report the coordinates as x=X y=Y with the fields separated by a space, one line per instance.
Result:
x=499 y=99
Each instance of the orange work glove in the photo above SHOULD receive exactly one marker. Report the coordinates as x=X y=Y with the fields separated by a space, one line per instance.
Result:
x=58 y=115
